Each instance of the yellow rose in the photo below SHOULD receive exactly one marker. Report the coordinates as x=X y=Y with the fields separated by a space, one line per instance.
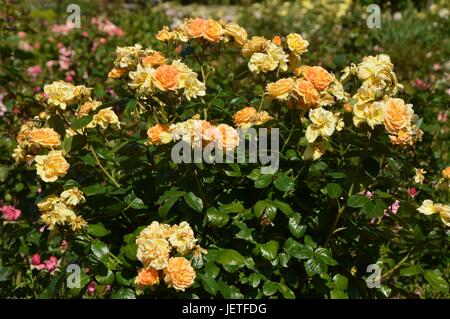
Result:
x=403 y=137
x=371 y=113
x=260 y=62
x=236 y=32
x=213 y=31
x=420 y=175
x=444 y=213
x=195 y=27
x=323 y=123
x=60 y=93
x=87 y=107
x=182 y=238
x=50 y=167
x=73 y=196
x=297 y=44
x=48 y=203
x=255 y=44
x=244 y=116
x=154 y=253
x=179 y=273
x=398 y=115
x=280 y=89
x=104 y=118
x=147 y=277
x=153 y=231
x=164 y=34
x=427 y=207
x=45 y=137
x=446 y=172
x=78 y=224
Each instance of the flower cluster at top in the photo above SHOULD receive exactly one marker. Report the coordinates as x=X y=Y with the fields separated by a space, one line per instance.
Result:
x=150 y=73
x=40 y=144
x=199 y=133
x=374 y=104
x=60 y=210
x=156 y=243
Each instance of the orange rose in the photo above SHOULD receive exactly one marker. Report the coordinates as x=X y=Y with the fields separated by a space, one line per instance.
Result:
x=403 y=137
x=147 y=277
x=244 y=116
x=228 y=138
x=153 y=59
x=117 y=73
x=318 y=76
x=164 y=34
x=166 y=77
x=179 y=273
x=348 y=108
x=398 y=115
x=154 y=134
x=45 y=137
x=276 y=40
x=87 y=107
x=280 y=89
x=195 y=27
x=213 y=31
x=446 y=172
x=306 y=94
x=255 y=44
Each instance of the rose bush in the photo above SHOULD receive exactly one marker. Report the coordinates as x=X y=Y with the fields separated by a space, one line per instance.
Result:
x=98 y=186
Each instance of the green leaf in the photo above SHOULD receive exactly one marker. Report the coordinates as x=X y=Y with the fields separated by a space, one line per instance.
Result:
x=334 y=190
x=230 y=257
x=97 y=230
x=315 y=266
x=73 y=143
x=412 y=270
x=434 y=278
x=284 y=207
x=216 y=217
x=212 y=270
x=263 y=181
x=269 y=288
x=123 y=293
x=209 y=283
x=193 y=201
x=81 y=122
x=94 y=189
x=286 y=292
x=340 y=282
x=168 y=203
x=284 y=182
x=269 y=250
x=134 y=202
x=325 y=255
x=108 y=279
x=357 y=200
x=297 y=250
x=295 y=228
x=100 y=250
x=5 y=272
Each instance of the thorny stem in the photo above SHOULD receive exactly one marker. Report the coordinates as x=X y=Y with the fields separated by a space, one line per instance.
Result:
x=110 y=177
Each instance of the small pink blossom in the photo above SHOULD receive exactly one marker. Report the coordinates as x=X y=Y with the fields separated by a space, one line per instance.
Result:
x=21 y=34
x=85 y=34
x=34 y=71
x=412 y=192
x=36 y=259
x=10 y=213
x=51 y=263
x=421 y=84
x=92 y=287
x=442 y=116
x=63 y=245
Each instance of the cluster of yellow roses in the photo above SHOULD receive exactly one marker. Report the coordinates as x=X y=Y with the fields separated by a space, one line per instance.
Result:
x=33 y=137
x=206 y=30
x=199 y=133
x=155 y=245
x=374 y=103
x=150 y=73
x=60 y=210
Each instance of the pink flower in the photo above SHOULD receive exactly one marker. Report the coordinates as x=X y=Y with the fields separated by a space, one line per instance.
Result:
x=412 y=192
x=85 y=34
x=34 y=71
x=51 y=263
x=10 y=213
x=63 y=245
x=3 y=108
x=36 y=259
x=50 y=63
x=442 y=116
x=91 y=288
x=369 y=194
x=421 y=84
x=394 y=207
x=21 y=34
